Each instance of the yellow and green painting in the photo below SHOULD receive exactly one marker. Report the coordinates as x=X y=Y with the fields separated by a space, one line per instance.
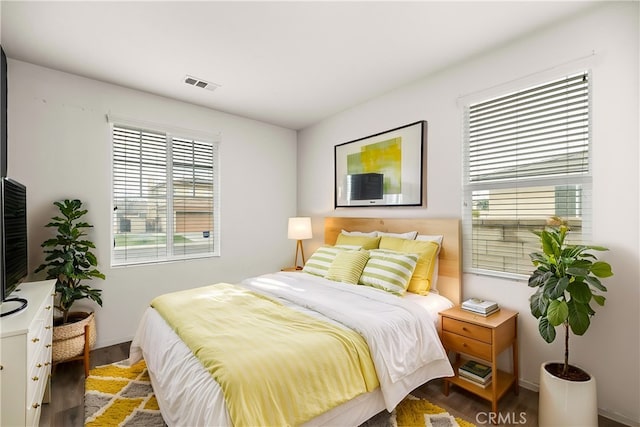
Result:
x=383 y=157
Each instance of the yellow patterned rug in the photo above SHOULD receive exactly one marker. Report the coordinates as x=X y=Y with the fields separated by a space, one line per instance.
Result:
x=120 y=395
x=414 y=412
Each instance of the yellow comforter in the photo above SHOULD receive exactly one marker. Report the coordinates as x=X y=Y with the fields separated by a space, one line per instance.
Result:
x=275 y=365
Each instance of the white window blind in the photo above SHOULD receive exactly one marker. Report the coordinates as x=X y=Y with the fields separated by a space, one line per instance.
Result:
x=165 y=196
x=526 y=160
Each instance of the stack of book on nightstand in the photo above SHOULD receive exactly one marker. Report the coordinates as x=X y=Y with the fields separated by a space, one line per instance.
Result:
x=476 y=373
x=480 y=306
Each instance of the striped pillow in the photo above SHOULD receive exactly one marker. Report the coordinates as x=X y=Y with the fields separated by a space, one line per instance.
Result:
x=347 y=266
x=427 y=255
x=321 y=260
x=389 y=270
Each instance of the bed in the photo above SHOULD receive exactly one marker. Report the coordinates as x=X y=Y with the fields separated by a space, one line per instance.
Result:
x=404 y=353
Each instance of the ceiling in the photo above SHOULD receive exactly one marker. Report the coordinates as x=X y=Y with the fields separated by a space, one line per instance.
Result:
x=290 y=63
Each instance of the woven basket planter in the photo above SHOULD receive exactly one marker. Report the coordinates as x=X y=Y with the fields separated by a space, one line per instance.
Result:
x=68 y=339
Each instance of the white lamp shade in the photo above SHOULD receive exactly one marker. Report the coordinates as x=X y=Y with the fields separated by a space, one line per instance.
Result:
x=299 y=228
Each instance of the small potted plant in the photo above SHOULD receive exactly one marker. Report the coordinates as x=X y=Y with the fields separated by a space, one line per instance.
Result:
x=567 y=278
x=70 y=261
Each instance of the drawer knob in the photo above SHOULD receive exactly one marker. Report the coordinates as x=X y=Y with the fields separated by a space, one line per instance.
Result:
x=39 y=365
x=48 y=327
x=35 y=405
x=35 y=378
x=48 y=345
x=35 y=339
x=464 y=328
x=47 y=363
x=48 y=307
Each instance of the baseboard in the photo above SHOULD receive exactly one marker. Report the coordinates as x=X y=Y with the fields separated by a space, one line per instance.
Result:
x=618 y=418
x=109 y=343
x=529 y=385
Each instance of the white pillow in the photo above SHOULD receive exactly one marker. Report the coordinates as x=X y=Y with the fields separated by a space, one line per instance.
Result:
x=359 y=233
x=430 y=238
x=409 y=235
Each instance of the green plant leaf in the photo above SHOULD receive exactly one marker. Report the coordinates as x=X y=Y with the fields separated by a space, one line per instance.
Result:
x=595 y=282
x=538 y=278
x=557 y=312
x=597 y=248
x=578 y=317
x=547 y=331
x=601 y=269
x=92 y=259
x=538 y=258
x=49 y=242
x=558 y=289
x=580 y=292
x=538 y=303
x=599 y=299
x=549 y=244
x=549 y=285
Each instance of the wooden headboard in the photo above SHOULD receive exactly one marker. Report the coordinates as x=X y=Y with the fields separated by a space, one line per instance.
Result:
x=450 y=260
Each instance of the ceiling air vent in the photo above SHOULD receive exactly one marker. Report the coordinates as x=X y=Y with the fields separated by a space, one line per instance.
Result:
x=194 y=81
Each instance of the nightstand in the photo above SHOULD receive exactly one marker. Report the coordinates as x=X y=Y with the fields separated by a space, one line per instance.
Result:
x=482 y=338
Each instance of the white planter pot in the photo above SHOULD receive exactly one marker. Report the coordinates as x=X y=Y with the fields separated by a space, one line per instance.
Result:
x=566 y=403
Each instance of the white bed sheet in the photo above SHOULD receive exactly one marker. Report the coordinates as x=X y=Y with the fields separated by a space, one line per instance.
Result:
x=433 y=303
x=188 y=395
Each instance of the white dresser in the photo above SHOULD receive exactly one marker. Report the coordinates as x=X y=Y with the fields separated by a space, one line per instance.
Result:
x=25 y=355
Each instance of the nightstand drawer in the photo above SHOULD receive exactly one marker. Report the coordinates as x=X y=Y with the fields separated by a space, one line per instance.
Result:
x=466 y=329
x=472 y=347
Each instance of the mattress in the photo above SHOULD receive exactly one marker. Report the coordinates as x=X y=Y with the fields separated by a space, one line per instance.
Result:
x=188 y=395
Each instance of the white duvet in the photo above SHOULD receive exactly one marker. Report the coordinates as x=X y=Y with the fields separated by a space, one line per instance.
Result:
x=401 y=335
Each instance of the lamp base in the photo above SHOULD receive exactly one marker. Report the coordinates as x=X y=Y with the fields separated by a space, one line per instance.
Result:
x=296 y=268
x=299 y=249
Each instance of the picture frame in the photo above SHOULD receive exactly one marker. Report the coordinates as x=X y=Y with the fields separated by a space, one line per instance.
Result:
x=384 y=169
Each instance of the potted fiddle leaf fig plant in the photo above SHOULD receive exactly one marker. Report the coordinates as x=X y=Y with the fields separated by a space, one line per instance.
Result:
x=71 y=263
x=567 y=278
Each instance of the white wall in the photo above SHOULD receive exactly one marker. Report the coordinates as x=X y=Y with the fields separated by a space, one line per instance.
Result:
x=611 y=348
x=59 y=147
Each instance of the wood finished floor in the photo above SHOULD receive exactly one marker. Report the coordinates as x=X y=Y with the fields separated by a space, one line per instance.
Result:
x=66 y=408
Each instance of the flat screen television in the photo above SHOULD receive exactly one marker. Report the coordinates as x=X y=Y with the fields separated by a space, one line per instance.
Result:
x=13 y=225
x=3 y=113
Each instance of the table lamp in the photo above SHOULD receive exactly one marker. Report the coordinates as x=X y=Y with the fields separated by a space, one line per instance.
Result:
x=299 y=229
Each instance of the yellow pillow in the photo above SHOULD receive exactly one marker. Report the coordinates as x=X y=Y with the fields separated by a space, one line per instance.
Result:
x=427 y=251
x=363 y=241
x=347 y=266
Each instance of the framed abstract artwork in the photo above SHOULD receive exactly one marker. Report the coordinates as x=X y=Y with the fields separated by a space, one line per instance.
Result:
x=385 y=169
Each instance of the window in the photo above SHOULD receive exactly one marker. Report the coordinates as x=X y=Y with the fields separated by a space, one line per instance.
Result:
x=526 y=157
x=165 y=196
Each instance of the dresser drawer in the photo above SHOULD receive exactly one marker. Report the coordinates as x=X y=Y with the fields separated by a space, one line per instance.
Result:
x=461 y=344
x=32 y=414
x=36 y=382
x=466 y=329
